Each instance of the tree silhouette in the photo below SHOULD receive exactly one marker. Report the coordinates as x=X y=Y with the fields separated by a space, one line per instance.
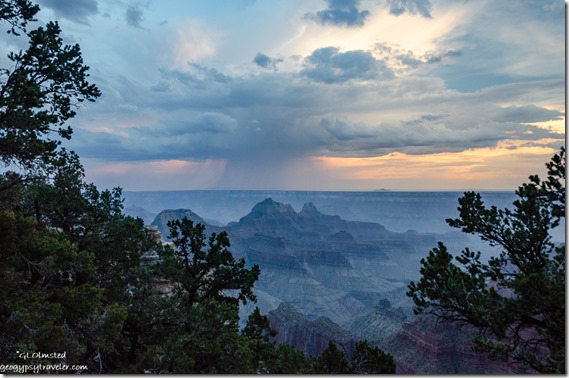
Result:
x=517 y=299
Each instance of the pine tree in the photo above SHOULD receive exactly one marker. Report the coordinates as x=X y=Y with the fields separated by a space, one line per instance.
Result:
x=517 y=299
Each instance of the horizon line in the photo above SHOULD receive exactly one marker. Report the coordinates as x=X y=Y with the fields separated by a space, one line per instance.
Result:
x=326 y=190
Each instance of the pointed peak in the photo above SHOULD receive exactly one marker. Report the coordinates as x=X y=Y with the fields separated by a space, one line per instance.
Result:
x=269 y=206
x=268 y=201
x=288 y=312
x=309 y=208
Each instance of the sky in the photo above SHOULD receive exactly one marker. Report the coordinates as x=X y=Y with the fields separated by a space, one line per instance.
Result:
x=317 y=94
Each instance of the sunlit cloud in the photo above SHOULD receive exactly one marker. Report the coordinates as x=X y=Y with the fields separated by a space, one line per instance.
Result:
x=501 y=168
x=558 y=126
x=193 y=41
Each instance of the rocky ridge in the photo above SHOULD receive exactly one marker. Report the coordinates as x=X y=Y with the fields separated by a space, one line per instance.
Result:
x=322 y=264
x=312 y=337
x=427 y=345
x=320 y=270
x=165 y=216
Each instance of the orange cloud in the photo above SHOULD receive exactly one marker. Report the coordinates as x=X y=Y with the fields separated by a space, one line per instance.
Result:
x=501 y=168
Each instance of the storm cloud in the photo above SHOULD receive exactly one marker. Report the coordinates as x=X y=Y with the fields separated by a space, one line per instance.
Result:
x=527 y=114
x=427 y=134
x=347 y=90
x=270 y=119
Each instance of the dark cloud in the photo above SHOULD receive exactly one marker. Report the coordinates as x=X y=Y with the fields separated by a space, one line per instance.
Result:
x=265 y=61
x=432 y=133
x=207 y=122
x=259 y=120
x=197 y=76
x=328 y=65
x=74 y=10
x=527 y=114
x=409 y=59
x=425 y=137
x=134 y=16
x=340 y=13
x=161 y=86
x=422 y=7
x=198 y=137
x=262 y=60
x=344 y=130
x=424 y=118
x=261 y=123
x=233 y=106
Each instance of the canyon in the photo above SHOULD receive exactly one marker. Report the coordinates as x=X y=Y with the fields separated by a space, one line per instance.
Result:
x=326 y=278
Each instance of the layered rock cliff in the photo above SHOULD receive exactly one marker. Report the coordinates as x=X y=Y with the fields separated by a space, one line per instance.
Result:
x=319 y=270
x=165 y=216
x=380 y=323
x=426 y=345
x=419 y=345
x=312 y=337
x=322 y=264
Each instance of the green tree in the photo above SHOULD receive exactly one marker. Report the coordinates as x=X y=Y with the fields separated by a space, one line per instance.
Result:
x=200 y=274
x=332 y=361
x=202 y=340
x=289 y=360
x=72 y=262
x=52 y=298
x=66 y=227
x=258 y=327
x=17 y=14
x=40 y=91
x=517 y=299
x=260 y=336
x=200 y=311
x=46 y=290
x=368 y=359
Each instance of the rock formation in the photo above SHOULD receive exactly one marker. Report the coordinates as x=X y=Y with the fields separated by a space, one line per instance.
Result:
x=380 y=323
x=312 y=337
x=426 y=345
x=319 y=270
x=322 y=264
x=165 y=216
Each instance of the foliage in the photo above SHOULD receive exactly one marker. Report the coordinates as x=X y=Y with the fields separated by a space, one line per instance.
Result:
x=332 y=361
x=259 y=334
x=517 y=299
x=286 y=359
x=365 y=359
x=197 y=321
x=39 y=92
x=368 y=359
x=201 y=274
x=17 y=13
